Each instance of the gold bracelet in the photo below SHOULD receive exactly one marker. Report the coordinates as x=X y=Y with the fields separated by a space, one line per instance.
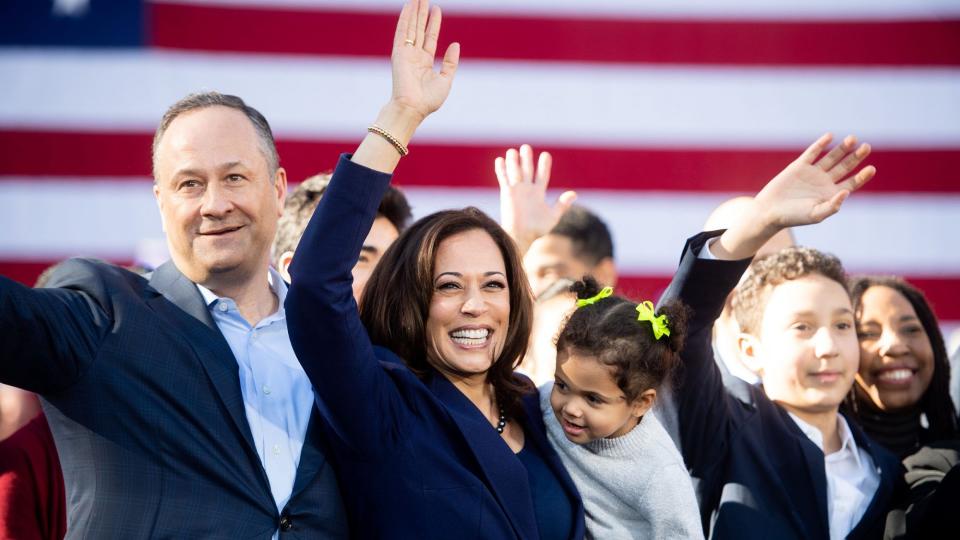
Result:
x=390 y=138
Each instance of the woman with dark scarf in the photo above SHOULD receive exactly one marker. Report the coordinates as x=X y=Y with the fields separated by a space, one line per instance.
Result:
x=901 y=396
x=901 y=399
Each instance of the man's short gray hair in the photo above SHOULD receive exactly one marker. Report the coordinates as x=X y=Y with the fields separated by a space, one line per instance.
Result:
x=215 y=99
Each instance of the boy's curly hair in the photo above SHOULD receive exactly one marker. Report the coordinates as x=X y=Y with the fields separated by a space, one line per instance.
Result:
x=764 y=274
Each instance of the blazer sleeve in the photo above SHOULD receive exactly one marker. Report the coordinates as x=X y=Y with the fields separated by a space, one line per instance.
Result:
x=706 y=412
x=354 y=394
x=50 y=336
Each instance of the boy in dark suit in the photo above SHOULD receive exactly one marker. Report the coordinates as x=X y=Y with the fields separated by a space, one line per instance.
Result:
x=782 y=463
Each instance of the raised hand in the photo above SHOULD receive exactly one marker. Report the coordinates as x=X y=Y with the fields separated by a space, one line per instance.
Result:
x=415 y=84
x=418 y=90
x=524 y=211
x=807 y=191
x=810 y=190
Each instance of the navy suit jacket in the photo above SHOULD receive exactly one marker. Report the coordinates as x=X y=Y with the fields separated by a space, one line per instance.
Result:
x=760 y=476
x=416 y=459
x=143 y=398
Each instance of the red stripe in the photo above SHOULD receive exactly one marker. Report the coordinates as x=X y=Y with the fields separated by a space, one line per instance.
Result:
x=27 y=271
x=580 y=39
x=941 y=291
x=73 y=154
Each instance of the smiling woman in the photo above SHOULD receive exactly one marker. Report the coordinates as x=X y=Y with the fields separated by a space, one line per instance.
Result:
x=904 y=369
x=432 y=434
x=452 y=297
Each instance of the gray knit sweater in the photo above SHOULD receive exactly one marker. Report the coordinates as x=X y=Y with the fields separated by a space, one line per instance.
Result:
x=633 y=486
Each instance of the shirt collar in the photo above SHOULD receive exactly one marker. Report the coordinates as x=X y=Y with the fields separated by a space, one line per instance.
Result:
x=277 y=285
x=847 y=442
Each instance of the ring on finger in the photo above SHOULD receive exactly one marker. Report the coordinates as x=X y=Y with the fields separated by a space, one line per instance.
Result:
x=408 y=41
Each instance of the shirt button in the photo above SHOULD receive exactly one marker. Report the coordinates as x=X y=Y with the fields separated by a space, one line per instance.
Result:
x=223 y=306
x=276 y=449
x=266 y=390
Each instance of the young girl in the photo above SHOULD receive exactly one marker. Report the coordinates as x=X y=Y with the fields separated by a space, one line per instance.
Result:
x=612 y=355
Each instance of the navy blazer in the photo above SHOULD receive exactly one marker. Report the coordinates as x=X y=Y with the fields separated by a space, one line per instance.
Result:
x=760 y=475
x=415 y=458
x=143 y=397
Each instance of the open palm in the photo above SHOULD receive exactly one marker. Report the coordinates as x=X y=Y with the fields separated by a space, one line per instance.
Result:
x=415 y=83
x=524 y=211
x=810 y=189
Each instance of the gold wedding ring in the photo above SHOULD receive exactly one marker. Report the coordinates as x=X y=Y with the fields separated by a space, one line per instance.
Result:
x=408 y=41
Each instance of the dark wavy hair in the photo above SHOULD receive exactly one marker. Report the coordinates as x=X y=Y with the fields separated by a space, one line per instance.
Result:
x=935 y=402
x=609 y=330
x=396 y=302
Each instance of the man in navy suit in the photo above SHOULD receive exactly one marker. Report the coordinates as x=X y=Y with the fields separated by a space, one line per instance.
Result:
x=177 y=405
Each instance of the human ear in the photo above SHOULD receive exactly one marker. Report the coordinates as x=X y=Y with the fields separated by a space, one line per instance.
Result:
x=643 y=403
x=283 y=265
x=749 y=348
x=280 y=185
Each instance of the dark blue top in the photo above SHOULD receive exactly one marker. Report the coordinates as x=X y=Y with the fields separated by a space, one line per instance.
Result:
x=415 y=458
x=551 y=503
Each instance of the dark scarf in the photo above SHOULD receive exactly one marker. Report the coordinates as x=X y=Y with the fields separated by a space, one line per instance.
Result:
x=898 y=431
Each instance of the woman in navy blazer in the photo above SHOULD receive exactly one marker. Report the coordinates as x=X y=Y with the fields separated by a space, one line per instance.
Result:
x=431 y=433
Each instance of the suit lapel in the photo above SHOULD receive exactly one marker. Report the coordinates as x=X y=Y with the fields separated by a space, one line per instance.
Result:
x=168 y=281
x=211 y=349
x=312 y=458
x=889 y=468
x=506 y=476
x=537 y=435
x=815 y=469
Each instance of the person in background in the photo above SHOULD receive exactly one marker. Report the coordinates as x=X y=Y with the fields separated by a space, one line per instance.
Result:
x=560 y=243
x=726 y=331
x=32 y=496
x=901 y=397
x=556 y=241
x=392 y=218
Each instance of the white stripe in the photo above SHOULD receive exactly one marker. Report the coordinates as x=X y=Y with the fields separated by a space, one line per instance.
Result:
x=722 y=9
x=60 y=218
x=499 y=101
x=872 y=233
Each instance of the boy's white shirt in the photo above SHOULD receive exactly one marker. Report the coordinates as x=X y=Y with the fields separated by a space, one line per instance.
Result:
x=852 y=477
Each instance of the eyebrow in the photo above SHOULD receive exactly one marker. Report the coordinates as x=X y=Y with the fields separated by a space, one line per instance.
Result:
x=585 y=392
x=369 y=249
x=840 y=311
x=195 y=172
x=459 y=275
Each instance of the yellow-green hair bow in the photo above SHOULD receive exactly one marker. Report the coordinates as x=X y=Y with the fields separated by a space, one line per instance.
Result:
x=659 y=324
x=605 y=292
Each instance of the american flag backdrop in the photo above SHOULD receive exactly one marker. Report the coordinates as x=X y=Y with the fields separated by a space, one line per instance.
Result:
x=655 y=111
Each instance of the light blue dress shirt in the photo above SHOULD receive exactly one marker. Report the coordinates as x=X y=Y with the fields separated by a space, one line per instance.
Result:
x=277 y=394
